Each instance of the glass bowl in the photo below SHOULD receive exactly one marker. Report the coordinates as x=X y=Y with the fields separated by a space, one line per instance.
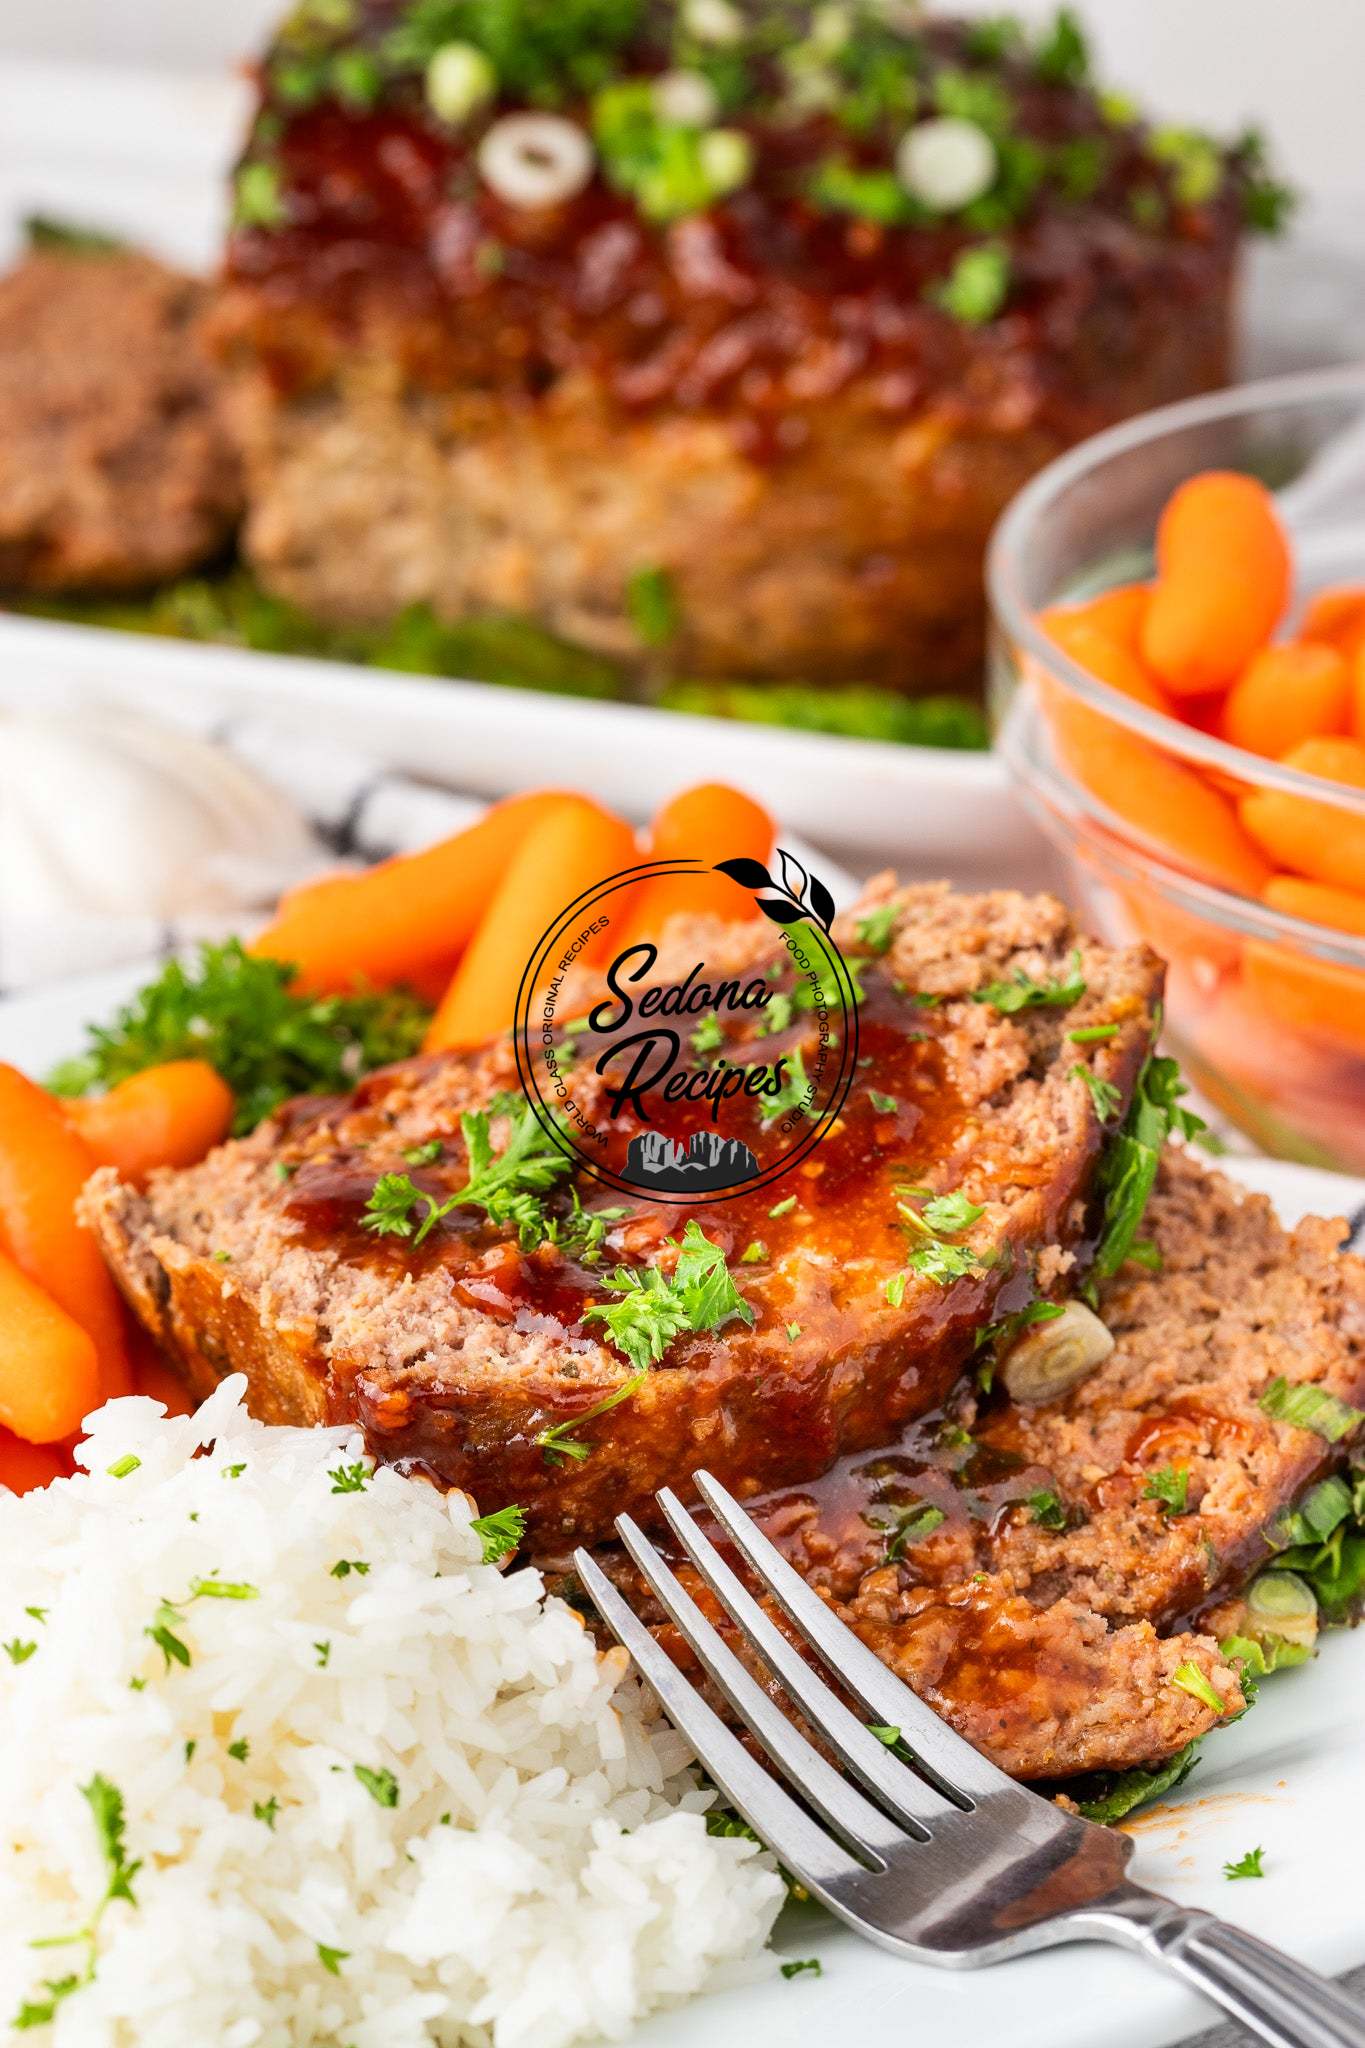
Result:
x=1265 y=1009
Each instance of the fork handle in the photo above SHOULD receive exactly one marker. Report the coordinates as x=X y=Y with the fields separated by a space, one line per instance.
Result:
x=1284 y=2002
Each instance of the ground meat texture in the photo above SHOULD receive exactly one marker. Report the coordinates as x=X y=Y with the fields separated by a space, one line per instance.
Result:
x=118 y=468
x=457 y=1356
x=1054 y=1650
x=483 y=407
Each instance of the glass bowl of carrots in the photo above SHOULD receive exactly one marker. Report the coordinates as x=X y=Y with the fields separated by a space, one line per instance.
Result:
x=1178 y=671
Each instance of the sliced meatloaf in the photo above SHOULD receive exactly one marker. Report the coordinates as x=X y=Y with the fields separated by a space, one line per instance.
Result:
x=460 y=1355
x=118 y=468
x=1041 y=1574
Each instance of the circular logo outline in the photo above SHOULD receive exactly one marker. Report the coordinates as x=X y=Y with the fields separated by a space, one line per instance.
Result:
x=783 y=908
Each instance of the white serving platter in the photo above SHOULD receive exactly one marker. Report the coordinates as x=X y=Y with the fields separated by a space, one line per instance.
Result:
x=1288 y=1779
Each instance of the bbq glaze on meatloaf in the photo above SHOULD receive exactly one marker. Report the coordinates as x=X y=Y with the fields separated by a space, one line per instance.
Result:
x=728 y=332
x=117 y=465
x=459 y=1356
x=1041 y=1574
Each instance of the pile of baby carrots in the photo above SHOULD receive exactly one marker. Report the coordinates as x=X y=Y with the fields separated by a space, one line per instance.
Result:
x=1199 y=644
x=460 y=921
x=456 y=922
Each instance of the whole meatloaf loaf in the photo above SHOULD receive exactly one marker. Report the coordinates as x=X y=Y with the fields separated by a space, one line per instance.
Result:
x=502 y=1353
x=712 y=334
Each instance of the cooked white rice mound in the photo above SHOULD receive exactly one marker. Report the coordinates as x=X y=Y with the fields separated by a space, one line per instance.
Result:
x=402 y=1802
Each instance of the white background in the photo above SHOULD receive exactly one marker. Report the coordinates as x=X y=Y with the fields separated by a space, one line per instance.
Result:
x=1297 y=66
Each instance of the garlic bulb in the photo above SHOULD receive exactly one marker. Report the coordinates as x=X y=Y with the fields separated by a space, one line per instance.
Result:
x=107 y=815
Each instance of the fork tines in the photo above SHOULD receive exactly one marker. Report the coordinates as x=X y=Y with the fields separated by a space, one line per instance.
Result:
x=896 y=1804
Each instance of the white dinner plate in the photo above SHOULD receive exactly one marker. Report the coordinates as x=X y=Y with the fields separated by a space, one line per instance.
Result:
x=1287 y=1779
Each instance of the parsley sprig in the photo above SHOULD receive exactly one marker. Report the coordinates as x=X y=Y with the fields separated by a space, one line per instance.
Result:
x=559 y=1442
x=655 y=1307
x=1129 y=1168
x=106 y=1806
x=506 y=1185
x=499 y=1533
x=244 y=1017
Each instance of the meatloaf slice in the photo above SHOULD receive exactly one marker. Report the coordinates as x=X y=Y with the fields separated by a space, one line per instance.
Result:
x=118 y=468
x=1055 y=1648
x=459 y=1356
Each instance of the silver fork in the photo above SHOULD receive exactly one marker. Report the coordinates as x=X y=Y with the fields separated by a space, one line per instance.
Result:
x=950 y=1862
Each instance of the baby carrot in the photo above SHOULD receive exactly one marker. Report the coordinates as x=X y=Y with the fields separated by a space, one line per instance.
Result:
x=576 y=845
x=1310 y=838
x=1317 y=997
x=1316 y=903
x=44 y=1164
x=49 y=1369
x=1093 y=648
x=1337 y=617
x=1223 y=579
x=1119 y=614
x=169 y=1115
x=390 y=922
x=1167 y=802
x=709 y=823
x=1288 y=694
x=24 y=1466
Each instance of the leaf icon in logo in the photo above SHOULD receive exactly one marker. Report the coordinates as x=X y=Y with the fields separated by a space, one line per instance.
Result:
x=794 y=876
x=780 y=910
x=750 y=874
x=821 y=902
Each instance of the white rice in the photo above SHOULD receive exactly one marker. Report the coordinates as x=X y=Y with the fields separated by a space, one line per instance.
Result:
x=545 y=1876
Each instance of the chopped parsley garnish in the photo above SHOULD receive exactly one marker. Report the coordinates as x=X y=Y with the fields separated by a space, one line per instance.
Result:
x=324 y=1653
x=1250 y=1865
x=792 y=1092
x=1129 y=1168
x=1046 y=1509
x=423 y=1155
x=106 y=1806
x=976 y=287
x=1106 y=1097
x=1062 y=58
x=233 y=1471
x=1310 y=1407
x=783 y=1208
x=753 y=1253
x=240 y=1013
x=1199 y=1685
x=507 y=1185
x=910 y=1525
x=558 y=1442
x=652 y=603
x=381 y=1785
x=19 y=1652
x=808 y=1964
x=1093 y=1034
x=884 y=1733
x=333 y=1958
x=266 y=1810
x=655 y=1307
x=793 y=1332
x=877 y=928
x=1021 y=992
x=170 y=1615
x=239 y=1750
x=499 y=1533
x=121 y=1467
x=349 y=1478
x=946 y=1215
x=708 y=1036
x=344 y=1566
x=1169 y=1484
x=885 y=1105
